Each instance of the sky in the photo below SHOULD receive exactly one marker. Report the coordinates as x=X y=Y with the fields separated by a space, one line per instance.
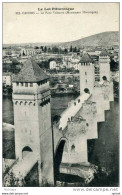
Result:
x=42 y=26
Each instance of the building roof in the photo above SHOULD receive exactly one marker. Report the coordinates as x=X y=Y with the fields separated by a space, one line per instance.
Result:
x=104 y=53
x=86 y=58
x=30 y=72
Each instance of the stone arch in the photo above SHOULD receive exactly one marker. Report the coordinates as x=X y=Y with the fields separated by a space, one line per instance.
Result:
x=25 y=103
x=26 y=150
x=61 y=139
x=30 y=103
x=86 y=90
x=21 y=102
x=58 y=155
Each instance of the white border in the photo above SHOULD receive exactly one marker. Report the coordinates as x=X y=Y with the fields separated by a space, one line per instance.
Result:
x=55 y=190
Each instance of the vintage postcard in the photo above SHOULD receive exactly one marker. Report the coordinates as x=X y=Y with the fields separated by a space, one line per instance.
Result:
x=60 y=73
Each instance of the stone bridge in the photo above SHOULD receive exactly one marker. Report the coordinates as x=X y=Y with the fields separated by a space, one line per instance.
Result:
x=77 y=124
x=63 y=140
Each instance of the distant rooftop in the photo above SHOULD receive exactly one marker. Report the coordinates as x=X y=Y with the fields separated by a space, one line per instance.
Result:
x=30 y=72
x=104 y=53
x=86 y=58
x=7 y=74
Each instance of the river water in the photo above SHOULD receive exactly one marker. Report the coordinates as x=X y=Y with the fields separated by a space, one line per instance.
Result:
x=104 y=150
x=58 y=105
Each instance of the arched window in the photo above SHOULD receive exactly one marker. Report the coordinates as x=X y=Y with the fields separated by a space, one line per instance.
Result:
x=104 y=78
x=86 y=90
x=25 y=151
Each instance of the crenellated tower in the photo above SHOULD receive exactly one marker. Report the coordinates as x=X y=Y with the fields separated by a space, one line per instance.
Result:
x=32 y=118
x=104 y=64
x=86 y=74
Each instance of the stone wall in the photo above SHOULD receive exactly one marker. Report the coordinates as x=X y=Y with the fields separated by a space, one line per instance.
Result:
x=83 y=125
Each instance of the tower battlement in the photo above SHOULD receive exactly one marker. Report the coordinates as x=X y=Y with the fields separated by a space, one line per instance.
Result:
x=89 y=71
x=32 y=117
x=86 y=74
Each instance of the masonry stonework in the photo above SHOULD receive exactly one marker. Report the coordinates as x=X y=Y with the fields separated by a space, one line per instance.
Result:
x=32 y=119
x=76 y=125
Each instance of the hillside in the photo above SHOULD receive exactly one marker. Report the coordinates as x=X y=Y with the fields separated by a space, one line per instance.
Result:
x=109 y=38
x=102 y=39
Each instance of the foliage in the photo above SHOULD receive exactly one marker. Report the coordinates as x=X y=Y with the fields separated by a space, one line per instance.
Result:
x=114 y=65
x=36 y=47
x=71 y=48
x=45 y=49
x=55 y=49
x=10 y=180
x=44 y=64
x=23 y=53
x=103 y=179
x=116 y=88
x=46 y=184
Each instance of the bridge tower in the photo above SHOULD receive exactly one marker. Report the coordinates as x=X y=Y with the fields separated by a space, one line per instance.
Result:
x=104 y=64
x=86 y=74
x=32 y=118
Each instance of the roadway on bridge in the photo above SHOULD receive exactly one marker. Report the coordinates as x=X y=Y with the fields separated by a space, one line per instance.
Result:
x=23 y=167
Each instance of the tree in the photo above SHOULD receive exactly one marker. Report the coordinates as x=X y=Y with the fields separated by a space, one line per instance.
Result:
x=71 y=48
x=14 y=65
x=60 y=51
x=114 y=65
x=15 y=62
x=45 y=49
x=36 y=47
x=75 y=49
x=55 y=50
x=23 y=53
x=65 y=51
x=78 y=50
x=42 y=48
x=49 y=49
